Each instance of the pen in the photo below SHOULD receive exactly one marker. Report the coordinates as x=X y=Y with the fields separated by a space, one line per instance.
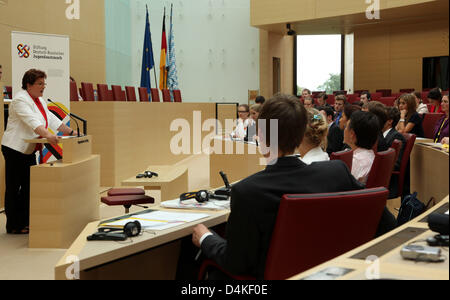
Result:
x=198 y=254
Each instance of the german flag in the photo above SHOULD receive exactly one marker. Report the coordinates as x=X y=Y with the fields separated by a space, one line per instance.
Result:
x=162 y=64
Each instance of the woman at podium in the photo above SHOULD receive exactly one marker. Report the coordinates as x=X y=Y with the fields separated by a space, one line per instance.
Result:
x=29 y=118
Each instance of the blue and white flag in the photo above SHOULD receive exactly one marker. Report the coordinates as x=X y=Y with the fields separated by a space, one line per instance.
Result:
x=172 y=80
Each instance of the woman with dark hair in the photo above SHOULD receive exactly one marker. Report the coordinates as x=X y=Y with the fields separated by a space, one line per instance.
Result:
x=410 y=121
x=349 y=109
x=29 y=118
x=361 y=134
x=435 y=97
x=441 y=127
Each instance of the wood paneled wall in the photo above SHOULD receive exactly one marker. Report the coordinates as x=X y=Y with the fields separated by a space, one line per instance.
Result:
x=391 y=56
x=87 y=35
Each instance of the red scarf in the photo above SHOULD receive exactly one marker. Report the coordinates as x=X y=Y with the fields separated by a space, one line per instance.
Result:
x=42 y=110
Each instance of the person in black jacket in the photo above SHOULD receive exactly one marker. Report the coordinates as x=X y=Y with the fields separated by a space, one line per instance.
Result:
x=255 y=199
x=335 y=137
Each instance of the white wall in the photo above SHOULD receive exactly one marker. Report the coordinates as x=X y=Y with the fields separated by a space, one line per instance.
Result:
x=217 y=51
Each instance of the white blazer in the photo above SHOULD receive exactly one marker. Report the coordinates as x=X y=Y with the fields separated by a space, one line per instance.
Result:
x=24 y=118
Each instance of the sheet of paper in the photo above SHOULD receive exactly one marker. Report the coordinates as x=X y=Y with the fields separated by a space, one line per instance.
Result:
x=159 y=220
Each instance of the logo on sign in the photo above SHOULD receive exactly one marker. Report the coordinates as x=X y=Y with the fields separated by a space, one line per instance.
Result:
x=24 y=50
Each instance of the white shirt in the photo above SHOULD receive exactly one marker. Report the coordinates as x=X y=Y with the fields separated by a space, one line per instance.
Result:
x=422 y=108
x=362 y=163
x=386 y=132
x=24 y=117
x=241 y=128
x=315 y=154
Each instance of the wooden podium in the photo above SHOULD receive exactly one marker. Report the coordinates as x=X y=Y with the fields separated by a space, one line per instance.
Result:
x=64 y=194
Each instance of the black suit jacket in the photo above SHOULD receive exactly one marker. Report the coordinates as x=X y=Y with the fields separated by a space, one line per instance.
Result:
x=254 y=207
x=389 y=139
x=335 y=139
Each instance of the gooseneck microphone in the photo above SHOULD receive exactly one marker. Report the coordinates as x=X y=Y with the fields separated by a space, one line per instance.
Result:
x=74 y=117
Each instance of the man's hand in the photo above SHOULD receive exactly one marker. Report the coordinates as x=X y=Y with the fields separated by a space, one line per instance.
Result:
x=199 y=231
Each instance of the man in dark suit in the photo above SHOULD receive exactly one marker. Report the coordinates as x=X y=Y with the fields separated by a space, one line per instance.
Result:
x=335 y=137
x=255 y=200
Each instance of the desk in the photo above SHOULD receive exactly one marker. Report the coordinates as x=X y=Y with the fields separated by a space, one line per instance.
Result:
x=429 y=172
x=387 y=247
x=236 y=159
x=148 y=256
x=172 y=181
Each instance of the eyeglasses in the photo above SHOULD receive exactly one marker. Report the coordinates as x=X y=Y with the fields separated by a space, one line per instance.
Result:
x=41 y=84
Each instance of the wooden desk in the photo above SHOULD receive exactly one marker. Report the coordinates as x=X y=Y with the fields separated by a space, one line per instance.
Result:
x=429 y=172
x=152 y=255
x=387 y=247
x=236 y=159
x=171 y=181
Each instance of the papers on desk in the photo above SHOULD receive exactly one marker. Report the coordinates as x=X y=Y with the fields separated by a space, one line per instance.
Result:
x=193 y=204
x=158 y=220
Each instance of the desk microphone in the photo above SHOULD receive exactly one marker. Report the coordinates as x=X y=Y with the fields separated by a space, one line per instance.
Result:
x=72 y=116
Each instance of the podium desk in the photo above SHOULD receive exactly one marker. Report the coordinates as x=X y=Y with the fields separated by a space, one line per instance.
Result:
x=64 y=194
x=152 y=255
x=237 y=159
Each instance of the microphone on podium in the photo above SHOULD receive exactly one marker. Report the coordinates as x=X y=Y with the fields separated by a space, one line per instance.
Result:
x=73 y=117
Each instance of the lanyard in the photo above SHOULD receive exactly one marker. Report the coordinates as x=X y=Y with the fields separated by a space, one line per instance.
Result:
x=440 y=129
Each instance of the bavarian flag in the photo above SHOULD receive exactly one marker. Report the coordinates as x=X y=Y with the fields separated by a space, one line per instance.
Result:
x=162 y=64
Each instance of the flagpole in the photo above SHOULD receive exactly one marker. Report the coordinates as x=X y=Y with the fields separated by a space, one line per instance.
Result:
x=153 y=58
x=165 y=69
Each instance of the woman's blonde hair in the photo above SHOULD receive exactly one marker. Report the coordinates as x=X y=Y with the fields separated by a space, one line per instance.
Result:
x=317 y=128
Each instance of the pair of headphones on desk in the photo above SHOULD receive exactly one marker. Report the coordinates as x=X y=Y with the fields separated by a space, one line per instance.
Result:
x=201 y=196
x=130 y=229
x=147 y=174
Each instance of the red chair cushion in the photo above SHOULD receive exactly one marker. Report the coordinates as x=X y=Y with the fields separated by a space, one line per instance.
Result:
x=127 y=200
x=126 y=191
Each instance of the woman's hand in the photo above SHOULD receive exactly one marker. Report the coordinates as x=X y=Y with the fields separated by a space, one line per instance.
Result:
x=445 y=140
x=403 y=113
x=53 y=139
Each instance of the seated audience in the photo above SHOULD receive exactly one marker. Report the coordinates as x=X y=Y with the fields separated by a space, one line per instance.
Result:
x=322 y=100
x=441 y=128
x=308 y=102
x=339 y=102
x=365 y=97
x=379 y=110
x=255 y=199
x=306 y=93
x=390 y=133
x=335 y=137
x=422 y=108
x=434 y=96
x=315 y=140
x=360 y=134
x=242 y=123
x=410 y=121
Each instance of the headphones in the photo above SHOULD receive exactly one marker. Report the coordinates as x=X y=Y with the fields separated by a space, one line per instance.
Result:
x=201 y=196
x=130 y=229
x=147 y=174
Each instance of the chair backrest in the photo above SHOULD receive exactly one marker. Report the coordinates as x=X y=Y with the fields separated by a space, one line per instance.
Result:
x=330 y=99
x=429 y=123
x=313 y=228
x=143 y=94
x=385 y=92
x=381 y=171
x=388 y=101
x=155 y=95
x=8 y=91
x=73 y=91
x=351 y=98
x=340 y=92
x=166 y=95
x=406 y=91
x=376 y=96
x=118 y=94
x=177 y=96
x=346 y=156
x=102 y=92
x=87 y=89
x=410 y=140
x=396 y=145
x=425 y=97
x=131 y=93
